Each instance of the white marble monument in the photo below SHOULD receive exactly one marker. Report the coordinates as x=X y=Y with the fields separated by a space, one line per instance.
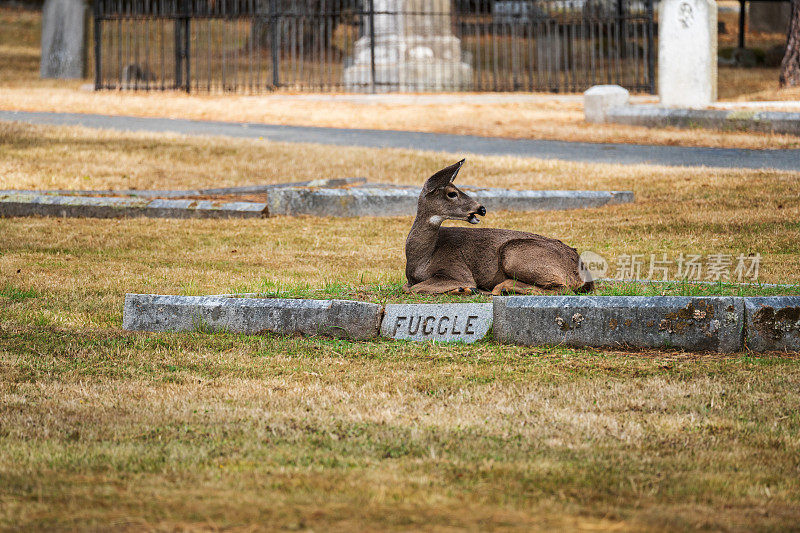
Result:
x=415 y=50
x=687 y=53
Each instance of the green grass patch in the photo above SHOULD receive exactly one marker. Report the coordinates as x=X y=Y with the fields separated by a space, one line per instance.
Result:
x=393 y=292
x=15 y=294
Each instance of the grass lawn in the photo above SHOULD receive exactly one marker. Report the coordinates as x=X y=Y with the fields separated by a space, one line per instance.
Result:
x=105 y=429
x=543 y=118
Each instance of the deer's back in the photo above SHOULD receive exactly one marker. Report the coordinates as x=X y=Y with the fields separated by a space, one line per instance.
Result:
x=480 y=249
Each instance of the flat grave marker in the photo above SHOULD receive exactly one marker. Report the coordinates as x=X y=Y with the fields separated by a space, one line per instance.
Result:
x=437 y=322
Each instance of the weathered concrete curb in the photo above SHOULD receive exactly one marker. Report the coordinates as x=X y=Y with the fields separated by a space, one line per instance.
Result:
x=21 y=205
x=185 y=193
x=334 y=318
x=718 y=323
x=690 y=323
x=772 y=323
x=467 y=322
x=720 y=119
x=288 y=201
x=402 y=201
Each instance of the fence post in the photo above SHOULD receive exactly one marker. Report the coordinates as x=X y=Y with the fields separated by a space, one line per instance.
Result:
x=178 y=46
x=372 y=44
x=651 y=75
x=273 y=35
x=622 y=22
x=742 y=21
x=98 y=77
x=186 y=51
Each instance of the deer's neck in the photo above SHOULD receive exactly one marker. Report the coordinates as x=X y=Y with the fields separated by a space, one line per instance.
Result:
x=420 y=246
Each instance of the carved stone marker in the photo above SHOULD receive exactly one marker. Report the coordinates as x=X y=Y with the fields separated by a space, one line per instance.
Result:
x=64 y=26
x=437 y=322
x=687 y=53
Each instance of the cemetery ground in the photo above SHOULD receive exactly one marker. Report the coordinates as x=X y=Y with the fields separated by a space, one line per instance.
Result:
x=542 y=117
x=110 y=429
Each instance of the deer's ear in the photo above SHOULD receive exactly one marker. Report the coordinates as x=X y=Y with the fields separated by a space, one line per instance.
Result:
x=443 y=177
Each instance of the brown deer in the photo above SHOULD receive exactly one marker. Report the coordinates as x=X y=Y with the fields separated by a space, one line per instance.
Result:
x=467 y=260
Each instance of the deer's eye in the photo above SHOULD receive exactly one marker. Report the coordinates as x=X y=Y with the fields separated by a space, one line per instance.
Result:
x=452 y=194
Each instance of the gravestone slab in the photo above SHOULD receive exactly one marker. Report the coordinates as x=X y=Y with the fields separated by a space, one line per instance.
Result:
x=687 y=53
x=354 y=202
x=773 y=323
x=402 y=201
x=724 y=119
x=511 y=200
x=64 y=31
x=23 y=204
x=437 y=322
x=689 y=323
x=333 y=318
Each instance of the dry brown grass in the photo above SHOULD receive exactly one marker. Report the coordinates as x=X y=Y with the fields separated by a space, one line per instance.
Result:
x=688 y=210
x=104 y=429
x=541 y=119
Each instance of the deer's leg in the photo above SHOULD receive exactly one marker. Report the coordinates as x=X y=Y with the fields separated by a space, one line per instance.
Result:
x=523 y=261
x=512 y=286
x=441 y=286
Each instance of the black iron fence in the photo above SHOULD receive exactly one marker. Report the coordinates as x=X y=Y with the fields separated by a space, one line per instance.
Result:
x=373 y=45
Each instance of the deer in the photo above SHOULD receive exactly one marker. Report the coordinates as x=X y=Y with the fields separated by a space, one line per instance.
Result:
x=462 y=260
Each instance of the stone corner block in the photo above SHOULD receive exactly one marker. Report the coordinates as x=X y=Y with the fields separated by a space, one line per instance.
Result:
x=333 y=318
x=772 y=323
x=667 y=322
x=598 y=100
x=455 y=322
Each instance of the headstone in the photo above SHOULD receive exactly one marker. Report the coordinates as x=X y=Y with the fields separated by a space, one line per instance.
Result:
x=64 y=31
x=670 y=322
x=437 y=322
x=600 y=98
x=769 y=17
x=414 y=50
x=773 y=323
x=687 y=53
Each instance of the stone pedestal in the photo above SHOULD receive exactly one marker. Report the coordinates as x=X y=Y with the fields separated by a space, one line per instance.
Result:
x=687 y=53
x=415 y=50
x=64 y=32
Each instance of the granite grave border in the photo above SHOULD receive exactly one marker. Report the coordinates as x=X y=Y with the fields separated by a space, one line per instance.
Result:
x=725 y=324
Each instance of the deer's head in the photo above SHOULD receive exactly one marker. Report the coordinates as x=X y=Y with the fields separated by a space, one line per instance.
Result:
x=441 y=200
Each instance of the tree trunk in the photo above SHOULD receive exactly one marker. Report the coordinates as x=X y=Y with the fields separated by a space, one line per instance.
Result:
x=790 y=66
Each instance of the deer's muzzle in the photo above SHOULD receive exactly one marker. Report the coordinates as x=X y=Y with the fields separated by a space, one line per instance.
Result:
x=473 y=219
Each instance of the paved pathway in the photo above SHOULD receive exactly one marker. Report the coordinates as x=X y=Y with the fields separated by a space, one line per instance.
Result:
x=456 y=144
